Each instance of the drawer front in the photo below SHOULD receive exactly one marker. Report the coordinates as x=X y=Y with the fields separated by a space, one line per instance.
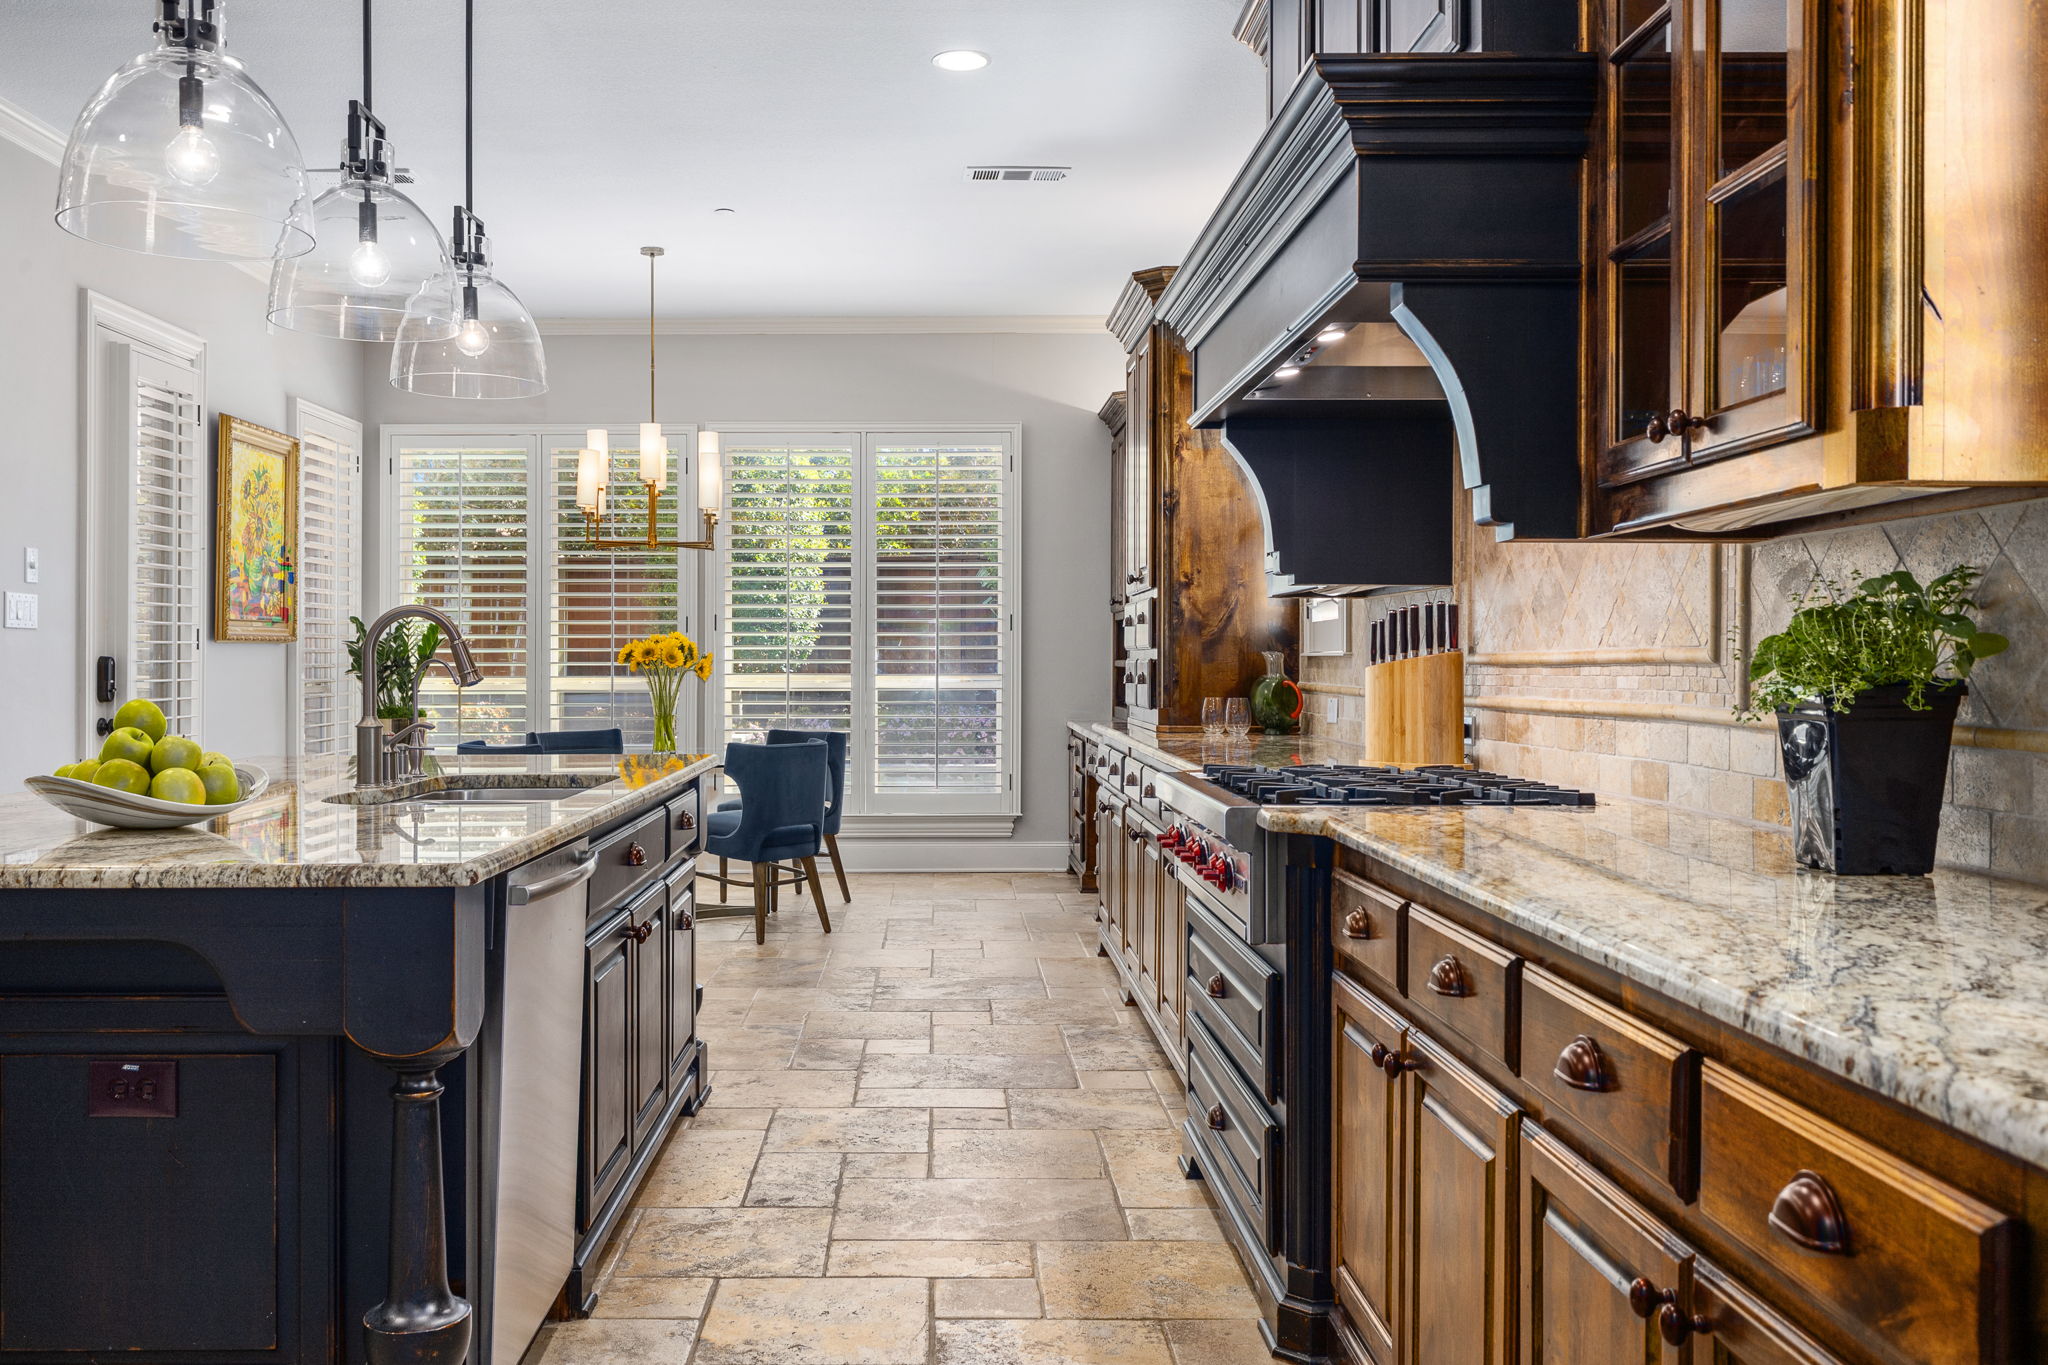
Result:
x=685 y=824
x=1368 y=926
x=1236 y=1133
x=627 y=859
x=1616 y=1083
x=1917 y=1269
x=1464 y=983
x=1235 y=992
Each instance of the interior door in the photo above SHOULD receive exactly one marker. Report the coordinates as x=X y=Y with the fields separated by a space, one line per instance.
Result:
x=1457 y=1193
x=1366 y=1143
x=1597 y=1271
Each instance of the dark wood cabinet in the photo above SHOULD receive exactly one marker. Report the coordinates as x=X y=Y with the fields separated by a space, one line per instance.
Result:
x=1081 y=797
x=679 y=973
x=608 y=1106
x=648 y=984
x=1365 y=1167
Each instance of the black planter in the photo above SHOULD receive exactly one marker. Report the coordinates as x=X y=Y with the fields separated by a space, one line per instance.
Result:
x=1867 y=783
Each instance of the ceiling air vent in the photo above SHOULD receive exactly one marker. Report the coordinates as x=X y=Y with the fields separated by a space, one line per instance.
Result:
x=1018 y=174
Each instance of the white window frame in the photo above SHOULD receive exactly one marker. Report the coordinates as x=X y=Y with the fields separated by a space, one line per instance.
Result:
x=111 y=336
x=308 y=417
x=967 y=815
x=539 y=441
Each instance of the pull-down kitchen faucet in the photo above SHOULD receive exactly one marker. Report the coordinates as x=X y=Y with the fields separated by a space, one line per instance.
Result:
x=377 y=752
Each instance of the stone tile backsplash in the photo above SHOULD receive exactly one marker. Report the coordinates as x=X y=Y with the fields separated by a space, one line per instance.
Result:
x=1618 y=668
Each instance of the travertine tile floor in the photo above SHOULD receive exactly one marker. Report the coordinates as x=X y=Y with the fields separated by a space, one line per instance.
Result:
x=935 y=1137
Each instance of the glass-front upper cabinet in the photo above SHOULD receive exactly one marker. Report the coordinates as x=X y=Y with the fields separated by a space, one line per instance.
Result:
x=1708 y=224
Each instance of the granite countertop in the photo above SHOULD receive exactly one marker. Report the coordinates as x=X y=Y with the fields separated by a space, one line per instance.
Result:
x=1932 y=991
x=1188 y=750
x=294 y=836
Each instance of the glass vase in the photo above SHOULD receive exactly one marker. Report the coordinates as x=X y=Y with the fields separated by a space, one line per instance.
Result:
x=664 y=728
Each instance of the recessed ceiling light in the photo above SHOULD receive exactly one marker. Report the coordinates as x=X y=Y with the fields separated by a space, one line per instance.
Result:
x=1287 y=372
x=960 y=59
x=1330 y=334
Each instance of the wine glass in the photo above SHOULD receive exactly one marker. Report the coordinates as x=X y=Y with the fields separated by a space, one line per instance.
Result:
x=1212 y=717
x=1237 y=717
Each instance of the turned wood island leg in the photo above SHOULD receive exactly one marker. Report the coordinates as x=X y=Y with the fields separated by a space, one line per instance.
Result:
x=421 y=1320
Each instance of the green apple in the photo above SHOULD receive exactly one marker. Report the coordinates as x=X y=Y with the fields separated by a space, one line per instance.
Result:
x=123 y=775
x=178 y=784
x=175 y=751
x=213 y=756
x=144 y=715
x=129 y=743
x=64 y=770
x=223 y=786
x=84 y=770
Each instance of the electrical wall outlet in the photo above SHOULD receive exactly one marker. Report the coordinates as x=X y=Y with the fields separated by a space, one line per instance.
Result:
x=21 y=611
x=1330 y=708
x=132 y=1090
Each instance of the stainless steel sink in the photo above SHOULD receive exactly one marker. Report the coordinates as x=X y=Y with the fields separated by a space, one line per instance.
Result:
x=467 y=791
x=499 y=795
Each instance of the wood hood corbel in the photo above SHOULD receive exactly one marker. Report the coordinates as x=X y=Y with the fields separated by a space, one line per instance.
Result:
x=1437 y=199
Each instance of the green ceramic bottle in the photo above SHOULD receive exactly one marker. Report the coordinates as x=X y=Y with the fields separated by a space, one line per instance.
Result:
x=1276 y=700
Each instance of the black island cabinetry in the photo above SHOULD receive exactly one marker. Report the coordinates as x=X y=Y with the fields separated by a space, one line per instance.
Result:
x=337 y=1082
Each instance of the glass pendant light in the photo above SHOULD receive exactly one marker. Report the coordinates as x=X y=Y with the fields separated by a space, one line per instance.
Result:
x=376 y=249
x=495 y=351
x=181 y=154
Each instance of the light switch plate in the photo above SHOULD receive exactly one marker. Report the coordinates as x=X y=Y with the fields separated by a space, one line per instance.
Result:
x=21 y=611
x=1329 y=708
x=32 y=565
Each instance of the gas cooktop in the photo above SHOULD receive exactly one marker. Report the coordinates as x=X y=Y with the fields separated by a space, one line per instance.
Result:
x=1325 y=784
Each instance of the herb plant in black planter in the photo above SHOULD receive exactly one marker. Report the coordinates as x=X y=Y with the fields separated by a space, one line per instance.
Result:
x=1865 y=685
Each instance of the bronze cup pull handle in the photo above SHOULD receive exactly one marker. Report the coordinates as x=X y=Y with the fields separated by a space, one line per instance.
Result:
x=1216 y=1117
x=1809 y=1213
x=1358 y=924
x=1677 y=1328
x=1582 y=1066
x=636 y=856
x=1217 y=988
x=1449 y=977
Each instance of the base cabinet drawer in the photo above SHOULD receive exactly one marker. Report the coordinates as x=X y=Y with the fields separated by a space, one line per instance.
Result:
x=1235 y=993
x=1368 y=927
x=1236 y=1133
x=1914 y=1267
x=1464 y=983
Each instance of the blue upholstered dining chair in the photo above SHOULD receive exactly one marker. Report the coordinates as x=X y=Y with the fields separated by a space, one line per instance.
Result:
x=781 y=820
x=612 y=741
x=835 y=795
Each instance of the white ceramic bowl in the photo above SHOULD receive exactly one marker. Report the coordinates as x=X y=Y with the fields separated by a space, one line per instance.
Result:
x=125 y=810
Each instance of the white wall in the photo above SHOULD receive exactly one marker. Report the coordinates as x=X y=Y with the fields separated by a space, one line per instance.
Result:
x=1052 y=384
x=45 y=716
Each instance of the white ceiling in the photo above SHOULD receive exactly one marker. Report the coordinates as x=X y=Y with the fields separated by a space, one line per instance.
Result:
x=603 y=125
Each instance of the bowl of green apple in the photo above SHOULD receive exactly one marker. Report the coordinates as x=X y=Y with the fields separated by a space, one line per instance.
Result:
x=147 y=778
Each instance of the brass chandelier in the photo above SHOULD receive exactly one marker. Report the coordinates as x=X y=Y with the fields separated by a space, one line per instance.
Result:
x=593 y=467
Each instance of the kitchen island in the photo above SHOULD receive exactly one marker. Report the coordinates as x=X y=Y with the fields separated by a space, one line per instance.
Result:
x=231 y=1054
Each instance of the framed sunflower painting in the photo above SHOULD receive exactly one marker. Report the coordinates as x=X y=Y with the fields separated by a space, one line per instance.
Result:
x=255 y=533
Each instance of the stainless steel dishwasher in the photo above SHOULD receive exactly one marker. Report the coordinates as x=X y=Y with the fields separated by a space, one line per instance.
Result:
x=534 y=1028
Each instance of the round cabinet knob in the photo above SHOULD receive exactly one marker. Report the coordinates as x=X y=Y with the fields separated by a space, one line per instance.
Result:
x=1677 y=1328
x=636 y=856
x=1644 y=1298
x=1217 y=989
x=1809 y=1212
x=1656 y=431
x=1358 y=924
x=1378 y=1054
x=1217 y=1118
x=1680 y=421
x=1394 y=1063
x=639 y=933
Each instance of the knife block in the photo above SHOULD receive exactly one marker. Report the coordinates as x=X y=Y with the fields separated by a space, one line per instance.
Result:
x=1415 y=710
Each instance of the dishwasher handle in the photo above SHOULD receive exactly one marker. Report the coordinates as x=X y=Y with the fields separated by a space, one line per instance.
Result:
x=585 y=865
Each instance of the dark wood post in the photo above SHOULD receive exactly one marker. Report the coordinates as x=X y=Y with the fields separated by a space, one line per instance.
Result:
x=421 y=1320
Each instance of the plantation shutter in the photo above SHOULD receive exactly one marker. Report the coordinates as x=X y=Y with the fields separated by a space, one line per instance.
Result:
x=939 y=621
x=463 y=542
x=166 y=536
x=600 y=599
x=787 y=643
x=330 y=577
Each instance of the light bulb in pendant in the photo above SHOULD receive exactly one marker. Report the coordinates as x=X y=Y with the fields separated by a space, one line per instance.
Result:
x=191 y=157
x=474 y=338
x=369 y=265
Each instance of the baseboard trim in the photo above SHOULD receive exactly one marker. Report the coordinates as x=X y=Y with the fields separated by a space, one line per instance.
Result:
x=873 y=854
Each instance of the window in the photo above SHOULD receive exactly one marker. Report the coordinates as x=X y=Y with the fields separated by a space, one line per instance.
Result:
x=330 y=576
x=145 y=543
x=867 y=587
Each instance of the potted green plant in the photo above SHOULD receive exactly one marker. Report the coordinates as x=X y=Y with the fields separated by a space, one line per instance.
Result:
x=1865 y=683
x=401 y=658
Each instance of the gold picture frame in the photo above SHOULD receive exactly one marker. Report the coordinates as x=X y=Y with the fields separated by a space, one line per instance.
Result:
x=255 y=533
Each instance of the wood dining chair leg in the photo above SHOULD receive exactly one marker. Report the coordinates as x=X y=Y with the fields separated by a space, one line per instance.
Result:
x=817 y=892
x=723 y=885
x=760 y=908
x=767 y=871
x=796 y=874
x=838 y=868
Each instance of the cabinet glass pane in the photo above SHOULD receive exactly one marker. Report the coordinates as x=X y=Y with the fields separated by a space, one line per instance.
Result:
x=1752 y=69
x=1645 y=182
x=1749 y=246
x=1643 y=345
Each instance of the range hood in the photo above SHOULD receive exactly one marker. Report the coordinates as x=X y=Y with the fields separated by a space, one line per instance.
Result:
x=1385 y=309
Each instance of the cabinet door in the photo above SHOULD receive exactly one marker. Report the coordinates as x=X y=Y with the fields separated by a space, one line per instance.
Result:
x=679 y=967
x=1135 y=511
x=1457 y=1193
x=649 y=1009
x=1731 y=1326
x=1144 y=913
x=1172 y=899
x=1596 y=1269
x=607 y=1064
x=1365 y=1165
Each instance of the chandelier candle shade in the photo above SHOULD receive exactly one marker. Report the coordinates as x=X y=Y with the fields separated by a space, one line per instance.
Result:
x=181 y=154
x=665 y=660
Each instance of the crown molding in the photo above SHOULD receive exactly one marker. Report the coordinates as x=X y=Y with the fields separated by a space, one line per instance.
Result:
x=31 y=134
x=1254 y=27
x=1026 y=324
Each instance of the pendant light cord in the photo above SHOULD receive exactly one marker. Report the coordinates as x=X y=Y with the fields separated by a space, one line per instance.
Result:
x=650 y=336
x=368 y=103
x=469 y=105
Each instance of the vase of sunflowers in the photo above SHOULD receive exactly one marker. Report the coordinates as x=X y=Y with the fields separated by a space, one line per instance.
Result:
x=664 y=660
